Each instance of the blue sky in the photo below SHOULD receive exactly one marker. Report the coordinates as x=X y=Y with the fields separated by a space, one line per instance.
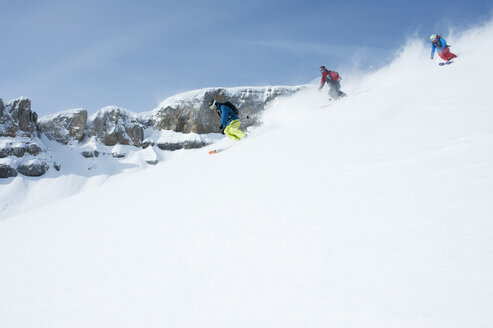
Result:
x=134 y=54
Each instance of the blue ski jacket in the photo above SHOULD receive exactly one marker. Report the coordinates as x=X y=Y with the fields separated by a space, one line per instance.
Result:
x=439 y=44
x=227 y=114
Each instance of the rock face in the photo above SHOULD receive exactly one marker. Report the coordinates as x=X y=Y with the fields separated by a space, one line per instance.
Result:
x=6 y=171
x=17 y=119
x=19 y=149
x=189 y=112
x=114 y=125
x=192 y=144
x=64 y=127
x=185 y=113
x=90 y=154
x=18 y=140
x=19 y=152
x=33 y=168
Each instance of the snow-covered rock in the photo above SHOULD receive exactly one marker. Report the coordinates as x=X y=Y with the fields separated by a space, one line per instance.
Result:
x=19 y=149
x=65 y=126
x=183 y=121
x=17 y=152
x=170 y=140
x=18 y=140
x=33 y=168
x=17 y=119
x=114 y=125
x=7 y=171
x=189 y=112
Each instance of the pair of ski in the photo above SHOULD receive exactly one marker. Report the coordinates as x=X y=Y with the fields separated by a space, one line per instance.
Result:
x=448 y=62
x=218 y=150
x=225 y=147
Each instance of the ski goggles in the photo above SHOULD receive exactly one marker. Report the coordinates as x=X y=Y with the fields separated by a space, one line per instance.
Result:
x=213 y=106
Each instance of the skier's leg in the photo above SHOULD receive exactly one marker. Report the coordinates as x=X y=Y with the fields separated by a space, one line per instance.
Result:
x=443 y=54
x=335 y=89
x=229 y=134
x=338 y=88
x=449 y=54
x=233 y=131
x=236 y=129
x=333 y=93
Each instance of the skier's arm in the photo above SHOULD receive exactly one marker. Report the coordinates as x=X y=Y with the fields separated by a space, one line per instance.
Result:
x=444 y=43
x=432 y=50
x=322 y=81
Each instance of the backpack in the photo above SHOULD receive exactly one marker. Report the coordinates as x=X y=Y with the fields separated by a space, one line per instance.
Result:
x=233 y=107
x=437 y=42
x=334 y=75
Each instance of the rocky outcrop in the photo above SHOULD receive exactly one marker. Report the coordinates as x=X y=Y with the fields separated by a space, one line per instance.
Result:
x=18 y=155
x=114 y=125
x=7 y=171
x=64 y=127
x=188 y=144
x=190 y=112
x=19 y=149
x=34 y=149
x=90 y=153
x=17 y=119
x=33 y=168
x=185 y=113
x=18 y=140
x=118 y=155
x=152 y=162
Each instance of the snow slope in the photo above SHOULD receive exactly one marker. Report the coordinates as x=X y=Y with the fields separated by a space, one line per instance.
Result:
x=373 y=212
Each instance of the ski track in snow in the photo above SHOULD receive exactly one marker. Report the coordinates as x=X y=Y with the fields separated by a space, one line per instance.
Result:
x=373 y=212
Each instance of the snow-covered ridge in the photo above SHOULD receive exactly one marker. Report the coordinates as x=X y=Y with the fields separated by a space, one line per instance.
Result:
x=68 y=112
x=183 y=121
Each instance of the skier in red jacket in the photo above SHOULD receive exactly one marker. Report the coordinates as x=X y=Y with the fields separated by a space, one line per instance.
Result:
x=333 y=79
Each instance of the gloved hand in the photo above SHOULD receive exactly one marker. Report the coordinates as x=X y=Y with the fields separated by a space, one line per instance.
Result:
x=221 y=127
x=431 y=57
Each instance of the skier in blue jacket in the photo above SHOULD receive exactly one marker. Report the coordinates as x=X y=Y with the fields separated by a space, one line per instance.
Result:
x=230 y=123
x=439 y=43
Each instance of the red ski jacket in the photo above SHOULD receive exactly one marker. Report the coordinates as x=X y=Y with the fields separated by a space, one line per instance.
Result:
x=328 y=76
